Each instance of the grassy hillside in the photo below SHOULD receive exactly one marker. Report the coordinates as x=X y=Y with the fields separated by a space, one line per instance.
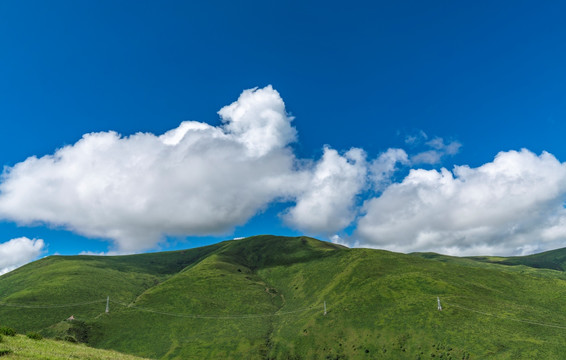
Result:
x=20 y=347
x=554 y=259
x=263 y=297
x=54 y=288
x=221 y=307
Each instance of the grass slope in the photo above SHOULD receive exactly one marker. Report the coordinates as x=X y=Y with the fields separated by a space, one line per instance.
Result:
x=262 y=297
x=19 y=347
x=64 y=280
x=554 y=260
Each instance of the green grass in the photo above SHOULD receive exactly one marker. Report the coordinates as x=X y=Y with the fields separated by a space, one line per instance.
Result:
x=385 y=304
x=262 y=297
x=21 y=347
x=63 y=280
x=554 y=260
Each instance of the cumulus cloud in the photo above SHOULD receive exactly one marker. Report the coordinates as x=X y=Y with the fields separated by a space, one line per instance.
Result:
x=259 y=121
x=17 y=252
x=193 y=180
x=384 y=166
x=198 y=179
x=327 y=203
x=513 y=205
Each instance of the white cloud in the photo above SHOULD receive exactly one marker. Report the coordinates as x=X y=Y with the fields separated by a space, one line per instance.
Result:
x=101 y=253
x=193 y=180
x=416 y=138
x=337 y=239
x=17 y=252
x=438 y=150
x=512 y=205
x=451 y=148
x=383 y=168
x=327 y=203
x=259 y=121
x=199 y=179
x=196 y=179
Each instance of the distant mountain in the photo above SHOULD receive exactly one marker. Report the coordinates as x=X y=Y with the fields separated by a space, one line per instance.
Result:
x=554 y=260
x=264 y=297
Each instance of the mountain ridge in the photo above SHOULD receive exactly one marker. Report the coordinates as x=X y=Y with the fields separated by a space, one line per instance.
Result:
x=264 y=296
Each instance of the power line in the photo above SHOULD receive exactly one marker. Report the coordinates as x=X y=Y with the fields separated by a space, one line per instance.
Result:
x=195 y=316
x=200 y=316
x=49 y=306
x=248 y=316
x=507 y=318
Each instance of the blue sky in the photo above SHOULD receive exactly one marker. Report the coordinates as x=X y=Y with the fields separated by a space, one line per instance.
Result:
x=448 y=83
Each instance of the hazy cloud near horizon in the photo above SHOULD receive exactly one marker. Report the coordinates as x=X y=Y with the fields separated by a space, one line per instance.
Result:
x=19 y=251
x=199 y=179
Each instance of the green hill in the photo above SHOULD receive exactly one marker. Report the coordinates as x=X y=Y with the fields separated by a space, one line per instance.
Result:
x=263 y=297
x=554 y=259
x=19 y=347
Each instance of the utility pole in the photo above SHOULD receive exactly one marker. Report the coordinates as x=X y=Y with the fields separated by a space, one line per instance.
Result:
x=107 y=304
x=325 y=308
x=439 y=306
